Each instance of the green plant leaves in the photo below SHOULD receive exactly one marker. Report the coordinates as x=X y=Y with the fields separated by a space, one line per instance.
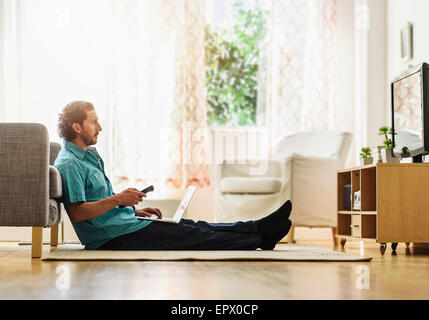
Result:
x=232 y=66
x=387 y=141
x=366 y=153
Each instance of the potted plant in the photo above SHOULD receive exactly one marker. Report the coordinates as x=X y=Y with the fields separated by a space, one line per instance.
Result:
x=405 y=153
x=365 y=156
x=386 y=152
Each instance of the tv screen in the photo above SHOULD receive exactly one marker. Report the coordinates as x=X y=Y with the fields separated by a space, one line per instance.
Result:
x=408 y=111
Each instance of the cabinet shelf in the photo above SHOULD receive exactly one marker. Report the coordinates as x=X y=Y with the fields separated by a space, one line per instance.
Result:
x=357 y=212
x=347 y=237
x=392 y=203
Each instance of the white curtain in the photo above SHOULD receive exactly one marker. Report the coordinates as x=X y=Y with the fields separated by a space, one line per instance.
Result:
x=301 y=93
x=141 y=62
x=159 y=104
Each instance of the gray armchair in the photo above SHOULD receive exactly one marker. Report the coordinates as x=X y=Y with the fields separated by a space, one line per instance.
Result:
x=30 y=187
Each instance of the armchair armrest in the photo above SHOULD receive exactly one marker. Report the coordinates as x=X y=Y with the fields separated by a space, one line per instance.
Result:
x=251 y=190
x=254 y=168
x=55 y=183
x=314 y=190
x=24 y=174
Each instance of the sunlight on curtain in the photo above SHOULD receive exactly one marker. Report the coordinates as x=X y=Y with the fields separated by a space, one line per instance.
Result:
x=159 y=105
x=301 y=92
x=141 y=62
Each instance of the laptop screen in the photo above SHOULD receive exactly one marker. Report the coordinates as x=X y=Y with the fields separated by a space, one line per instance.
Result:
x=184 y=203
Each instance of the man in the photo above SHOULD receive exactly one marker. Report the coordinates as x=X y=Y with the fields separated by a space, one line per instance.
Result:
x=101 y=223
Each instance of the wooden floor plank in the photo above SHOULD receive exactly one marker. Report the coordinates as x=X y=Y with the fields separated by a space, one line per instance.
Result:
x=400 y=276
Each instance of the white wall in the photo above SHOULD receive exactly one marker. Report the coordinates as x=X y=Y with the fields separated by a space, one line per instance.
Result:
x=370 y=71
x=346 y=70
x=399 y=12
x=362 y=72
x=376 y=115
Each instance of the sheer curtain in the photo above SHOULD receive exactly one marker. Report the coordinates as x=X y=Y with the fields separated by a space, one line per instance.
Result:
x=301 y=93
x=141 y=62
x=158 y=102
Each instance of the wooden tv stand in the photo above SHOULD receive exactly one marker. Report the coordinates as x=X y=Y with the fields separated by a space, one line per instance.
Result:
x=394 y=204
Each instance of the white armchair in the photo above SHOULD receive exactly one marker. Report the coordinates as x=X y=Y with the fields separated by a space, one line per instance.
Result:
x=303 y=170
x=243 y=193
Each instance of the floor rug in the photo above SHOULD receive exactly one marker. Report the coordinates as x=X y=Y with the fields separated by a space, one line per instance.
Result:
x=284 y=252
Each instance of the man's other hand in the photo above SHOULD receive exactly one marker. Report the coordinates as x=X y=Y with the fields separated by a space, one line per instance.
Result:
x=129 y=197
x=147 y=212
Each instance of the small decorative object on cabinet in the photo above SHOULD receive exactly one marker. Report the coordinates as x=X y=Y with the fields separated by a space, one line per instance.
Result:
x=365 y=156
x=387 y=157
x=356 y=200
x=405 y=153
x=387 y=153
x=392 y=205
x=366 y=161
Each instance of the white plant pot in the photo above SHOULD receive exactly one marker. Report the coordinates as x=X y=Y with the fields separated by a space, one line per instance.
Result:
x=366 y=161
x=386 y=157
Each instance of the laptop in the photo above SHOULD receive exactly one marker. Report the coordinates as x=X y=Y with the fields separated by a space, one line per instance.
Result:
x=180 y=212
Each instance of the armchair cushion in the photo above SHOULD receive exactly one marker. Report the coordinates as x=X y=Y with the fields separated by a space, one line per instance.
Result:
x=258 y=185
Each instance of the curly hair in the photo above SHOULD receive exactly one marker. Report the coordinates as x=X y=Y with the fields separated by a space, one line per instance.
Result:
x=74 y=112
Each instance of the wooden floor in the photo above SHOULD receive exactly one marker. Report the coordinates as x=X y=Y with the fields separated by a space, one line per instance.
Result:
x=401 y=276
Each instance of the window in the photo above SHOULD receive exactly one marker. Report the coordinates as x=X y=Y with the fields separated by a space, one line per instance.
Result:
x=235 y=61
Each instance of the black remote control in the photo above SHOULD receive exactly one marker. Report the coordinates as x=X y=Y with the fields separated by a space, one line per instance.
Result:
x=145 y=190
x=148 y=189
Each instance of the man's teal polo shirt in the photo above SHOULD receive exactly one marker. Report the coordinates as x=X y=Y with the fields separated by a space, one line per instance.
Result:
x=84 y=180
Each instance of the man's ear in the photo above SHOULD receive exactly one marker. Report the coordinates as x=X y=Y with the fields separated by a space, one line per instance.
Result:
x=76 y=127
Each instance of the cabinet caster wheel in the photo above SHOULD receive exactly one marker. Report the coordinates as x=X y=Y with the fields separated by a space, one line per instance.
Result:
x=394 y=245
x=383 y=247
x=343 y=243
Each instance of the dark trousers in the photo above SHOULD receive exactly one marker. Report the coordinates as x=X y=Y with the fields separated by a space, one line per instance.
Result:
x=189 y=235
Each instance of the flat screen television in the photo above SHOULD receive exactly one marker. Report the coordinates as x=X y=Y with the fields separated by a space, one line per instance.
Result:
x=410 y=112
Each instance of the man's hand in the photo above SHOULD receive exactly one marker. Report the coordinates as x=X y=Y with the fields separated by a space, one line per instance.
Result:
x=147 y=212
x=129 y=197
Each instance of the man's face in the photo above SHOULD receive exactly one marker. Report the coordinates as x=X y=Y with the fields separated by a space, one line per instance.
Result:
x=90 y=128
